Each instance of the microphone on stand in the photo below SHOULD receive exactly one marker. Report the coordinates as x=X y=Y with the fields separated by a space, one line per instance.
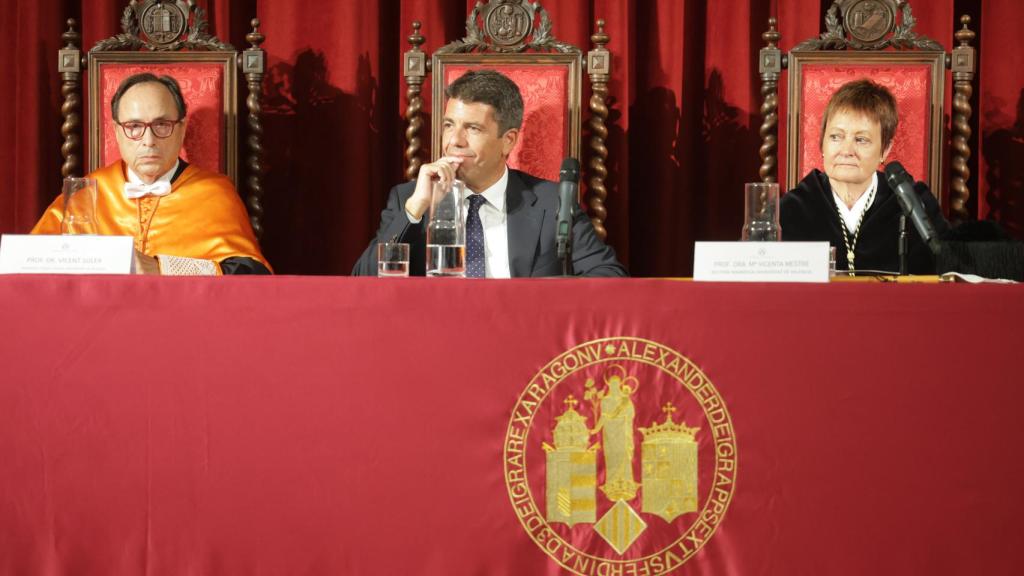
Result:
x=568 y=185
x=903 y=185
x=903 y=245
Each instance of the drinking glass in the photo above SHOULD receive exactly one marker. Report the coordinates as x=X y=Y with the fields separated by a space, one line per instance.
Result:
x=79 y=206
x=392 y=260
x=446 y=231
x=761 y=220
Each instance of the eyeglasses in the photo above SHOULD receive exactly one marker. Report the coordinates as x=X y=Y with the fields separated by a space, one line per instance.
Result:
x=160 y=128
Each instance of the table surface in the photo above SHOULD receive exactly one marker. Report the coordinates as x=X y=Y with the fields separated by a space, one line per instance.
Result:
x=318 y=425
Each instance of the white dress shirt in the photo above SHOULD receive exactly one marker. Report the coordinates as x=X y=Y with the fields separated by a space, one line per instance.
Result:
x=495 y=223
x=851 y=216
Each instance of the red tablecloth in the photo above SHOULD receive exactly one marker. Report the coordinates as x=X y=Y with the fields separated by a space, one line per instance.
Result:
x=293 y=425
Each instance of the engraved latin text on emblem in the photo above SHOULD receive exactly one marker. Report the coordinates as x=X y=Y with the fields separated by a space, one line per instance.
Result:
x=620 y=458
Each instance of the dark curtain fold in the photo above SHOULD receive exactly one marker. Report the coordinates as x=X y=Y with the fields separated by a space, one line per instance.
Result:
x=685 y=96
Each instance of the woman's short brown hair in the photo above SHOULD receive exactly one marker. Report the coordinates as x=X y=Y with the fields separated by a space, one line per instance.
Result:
x=865 y=97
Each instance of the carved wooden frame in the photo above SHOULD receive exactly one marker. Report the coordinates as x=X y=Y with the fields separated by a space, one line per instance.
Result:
x=936 y=64
x=229 y=111
x=574 y=62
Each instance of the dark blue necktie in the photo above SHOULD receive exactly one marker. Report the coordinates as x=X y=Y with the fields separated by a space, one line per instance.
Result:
x=475 y=266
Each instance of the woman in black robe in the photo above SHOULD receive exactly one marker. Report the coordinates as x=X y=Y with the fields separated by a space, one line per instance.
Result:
x=850 y=205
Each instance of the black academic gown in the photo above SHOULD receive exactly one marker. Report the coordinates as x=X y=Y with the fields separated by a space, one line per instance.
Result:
x=808 y=212
x=532 y=207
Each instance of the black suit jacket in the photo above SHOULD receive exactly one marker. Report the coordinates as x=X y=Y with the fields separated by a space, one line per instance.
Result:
x=808 y=212
x=532 y=207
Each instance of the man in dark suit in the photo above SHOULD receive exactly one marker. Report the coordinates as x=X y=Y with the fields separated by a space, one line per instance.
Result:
x=513 y=213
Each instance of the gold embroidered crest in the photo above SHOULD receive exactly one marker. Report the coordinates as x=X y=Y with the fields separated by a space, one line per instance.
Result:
x=628 y=485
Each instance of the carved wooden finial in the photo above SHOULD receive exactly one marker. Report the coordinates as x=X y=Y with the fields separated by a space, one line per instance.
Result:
x=71 y=37
x=416 y=39
x=965 y=34
x=599 y=38
x=772 y=35
x=254 y=38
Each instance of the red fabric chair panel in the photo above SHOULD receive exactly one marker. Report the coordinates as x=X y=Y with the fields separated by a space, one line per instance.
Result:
x=543 y=141
x=202 y=85
x=909 y=83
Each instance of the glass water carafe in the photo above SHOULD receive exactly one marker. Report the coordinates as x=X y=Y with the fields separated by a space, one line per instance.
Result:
x=446 y=231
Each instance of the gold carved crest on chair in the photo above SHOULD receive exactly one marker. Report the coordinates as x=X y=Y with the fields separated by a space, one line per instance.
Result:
x=169 y=38
x=514 y=37
x=876 y=39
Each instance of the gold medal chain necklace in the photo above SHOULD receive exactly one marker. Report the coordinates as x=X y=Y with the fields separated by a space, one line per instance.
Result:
x=842 y=226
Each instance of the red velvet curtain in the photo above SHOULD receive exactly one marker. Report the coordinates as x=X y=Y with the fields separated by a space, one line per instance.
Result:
x=683 y=139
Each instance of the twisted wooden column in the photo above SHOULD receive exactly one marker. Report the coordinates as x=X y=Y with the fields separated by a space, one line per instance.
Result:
x=253 y=64
x=414 y=70
x=69 y=65
x=599 y=67
x=770 y=66
x=962 y=63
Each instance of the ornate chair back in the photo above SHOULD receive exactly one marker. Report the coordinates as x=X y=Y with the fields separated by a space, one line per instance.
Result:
x=169 y=38
x=871 y=39
x=514 y=37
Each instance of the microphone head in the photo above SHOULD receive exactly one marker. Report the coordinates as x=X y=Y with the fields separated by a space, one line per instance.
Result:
x=895 y=172
x=570 y=171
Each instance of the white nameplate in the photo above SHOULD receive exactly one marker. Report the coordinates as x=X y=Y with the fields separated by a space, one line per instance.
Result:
x=85 y=254
x=761 y=261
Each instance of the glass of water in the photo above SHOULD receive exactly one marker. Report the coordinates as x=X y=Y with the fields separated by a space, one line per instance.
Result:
x=392 y=260
x=761 y=220
x=79 y=206
x=446 y=231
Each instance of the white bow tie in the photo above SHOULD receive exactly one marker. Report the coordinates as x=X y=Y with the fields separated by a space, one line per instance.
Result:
x=132 y=190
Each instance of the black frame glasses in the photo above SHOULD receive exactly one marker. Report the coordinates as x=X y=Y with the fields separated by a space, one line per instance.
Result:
x=137 y=130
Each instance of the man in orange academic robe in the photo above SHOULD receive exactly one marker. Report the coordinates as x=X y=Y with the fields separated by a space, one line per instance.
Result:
x=185 y=220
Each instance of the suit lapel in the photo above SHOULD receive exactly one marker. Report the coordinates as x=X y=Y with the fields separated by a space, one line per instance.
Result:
x=524 y=225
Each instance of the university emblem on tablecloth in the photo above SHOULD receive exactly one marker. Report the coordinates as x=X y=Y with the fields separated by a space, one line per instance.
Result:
x=620 y=458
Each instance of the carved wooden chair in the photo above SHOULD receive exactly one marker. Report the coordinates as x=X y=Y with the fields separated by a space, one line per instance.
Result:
x=876 y=39
x=514 y=38
x=168 y=37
